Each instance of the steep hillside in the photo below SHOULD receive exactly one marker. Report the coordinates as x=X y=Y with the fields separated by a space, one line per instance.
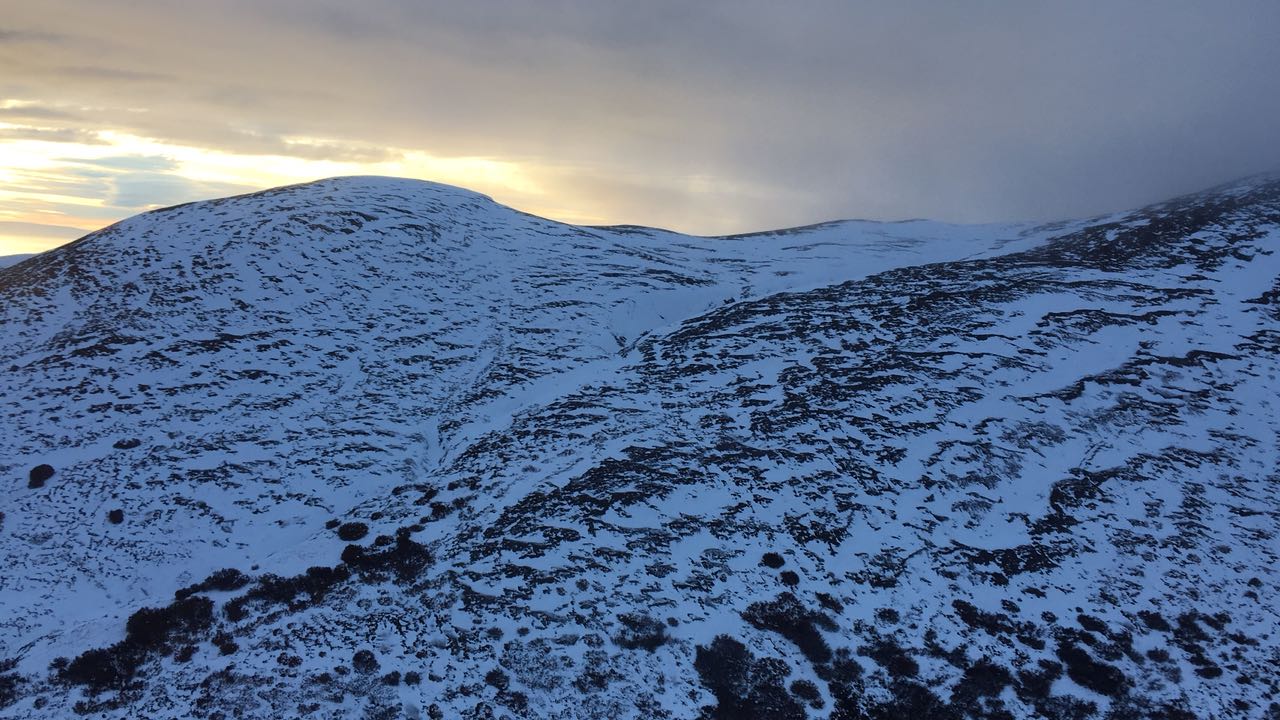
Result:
x=401 y=451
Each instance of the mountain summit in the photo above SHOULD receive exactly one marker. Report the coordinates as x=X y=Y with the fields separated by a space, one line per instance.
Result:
x=369 y=447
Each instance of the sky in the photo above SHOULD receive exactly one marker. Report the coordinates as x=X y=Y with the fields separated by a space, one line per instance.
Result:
x=708 y=117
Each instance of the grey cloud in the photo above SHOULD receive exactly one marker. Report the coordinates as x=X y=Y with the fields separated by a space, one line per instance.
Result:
x=98 y=73
x=88 y=183
x=61 y=135
x=145 y=189
x=36 y=112
x=8 y=35
x=36 y=207
x=128 y=162
x=795 y=112
x=258 y=144
x=29 y=229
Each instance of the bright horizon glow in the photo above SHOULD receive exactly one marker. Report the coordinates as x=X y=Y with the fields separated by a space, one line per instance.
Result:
x=210 y=174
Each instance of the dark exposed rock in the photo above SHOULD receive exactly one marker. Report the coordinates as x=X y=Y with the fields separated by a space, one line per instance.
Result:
x=39 y=475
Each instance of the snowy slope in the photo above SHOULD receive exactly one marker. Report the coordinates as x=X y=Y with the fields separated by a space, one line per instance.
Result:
x=7 y=260
x=1004 y=468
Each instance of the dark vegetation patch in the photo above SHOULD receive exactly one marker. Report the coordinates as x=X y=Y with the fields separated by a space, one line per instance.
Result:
x=352 y=531
x=787 y=617
x=148 y=632
x=1092 y=624
x=1217 y=621
x=911 y=701
x=224 y=580
x=1097 y=676
x=152 y=628
x=1034 y=686
x=498 y=679
x=222 y=640
x=789 y=578
x=829 y=602
x=1188 y=630
x=983 y=678
x=1155 y=620
x=843 y=676
x=403 y=560
x=364 y=662
x=640 y=631
x=745 y=688
x=772 y=560
x=998 y=624
x=808 y=692
x=890 y=656
x=9 y=683
x=297 y=592
x=992 y=623
x=38 y=476
x=1030 y=558
x=597 y=673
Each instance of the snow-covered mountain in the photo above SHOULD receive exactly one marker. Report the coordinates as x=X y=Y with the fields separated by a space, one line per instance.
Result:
x=384 y=448
x=7 y=260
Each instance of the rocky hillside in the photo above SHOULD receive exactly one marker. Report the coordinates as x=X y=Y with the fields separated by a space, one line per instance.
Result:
x=384 y=448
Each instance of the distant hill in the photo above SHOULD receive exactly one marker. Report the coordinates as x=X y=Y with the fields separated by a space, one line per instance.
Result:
x=7 y=260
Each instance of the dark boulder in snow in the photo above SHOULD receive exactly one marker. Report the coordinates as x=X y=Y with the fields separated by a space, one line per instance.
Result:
x=38 y=475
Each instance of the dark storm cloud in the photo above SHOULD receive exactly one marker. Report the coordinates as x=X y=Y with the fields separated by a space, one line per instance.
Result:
x=707 y=115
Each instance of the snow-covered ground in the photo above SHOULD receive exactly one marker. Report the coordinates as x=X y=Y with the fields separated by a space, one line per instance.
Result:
x=7 y=260
x=994 y=462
